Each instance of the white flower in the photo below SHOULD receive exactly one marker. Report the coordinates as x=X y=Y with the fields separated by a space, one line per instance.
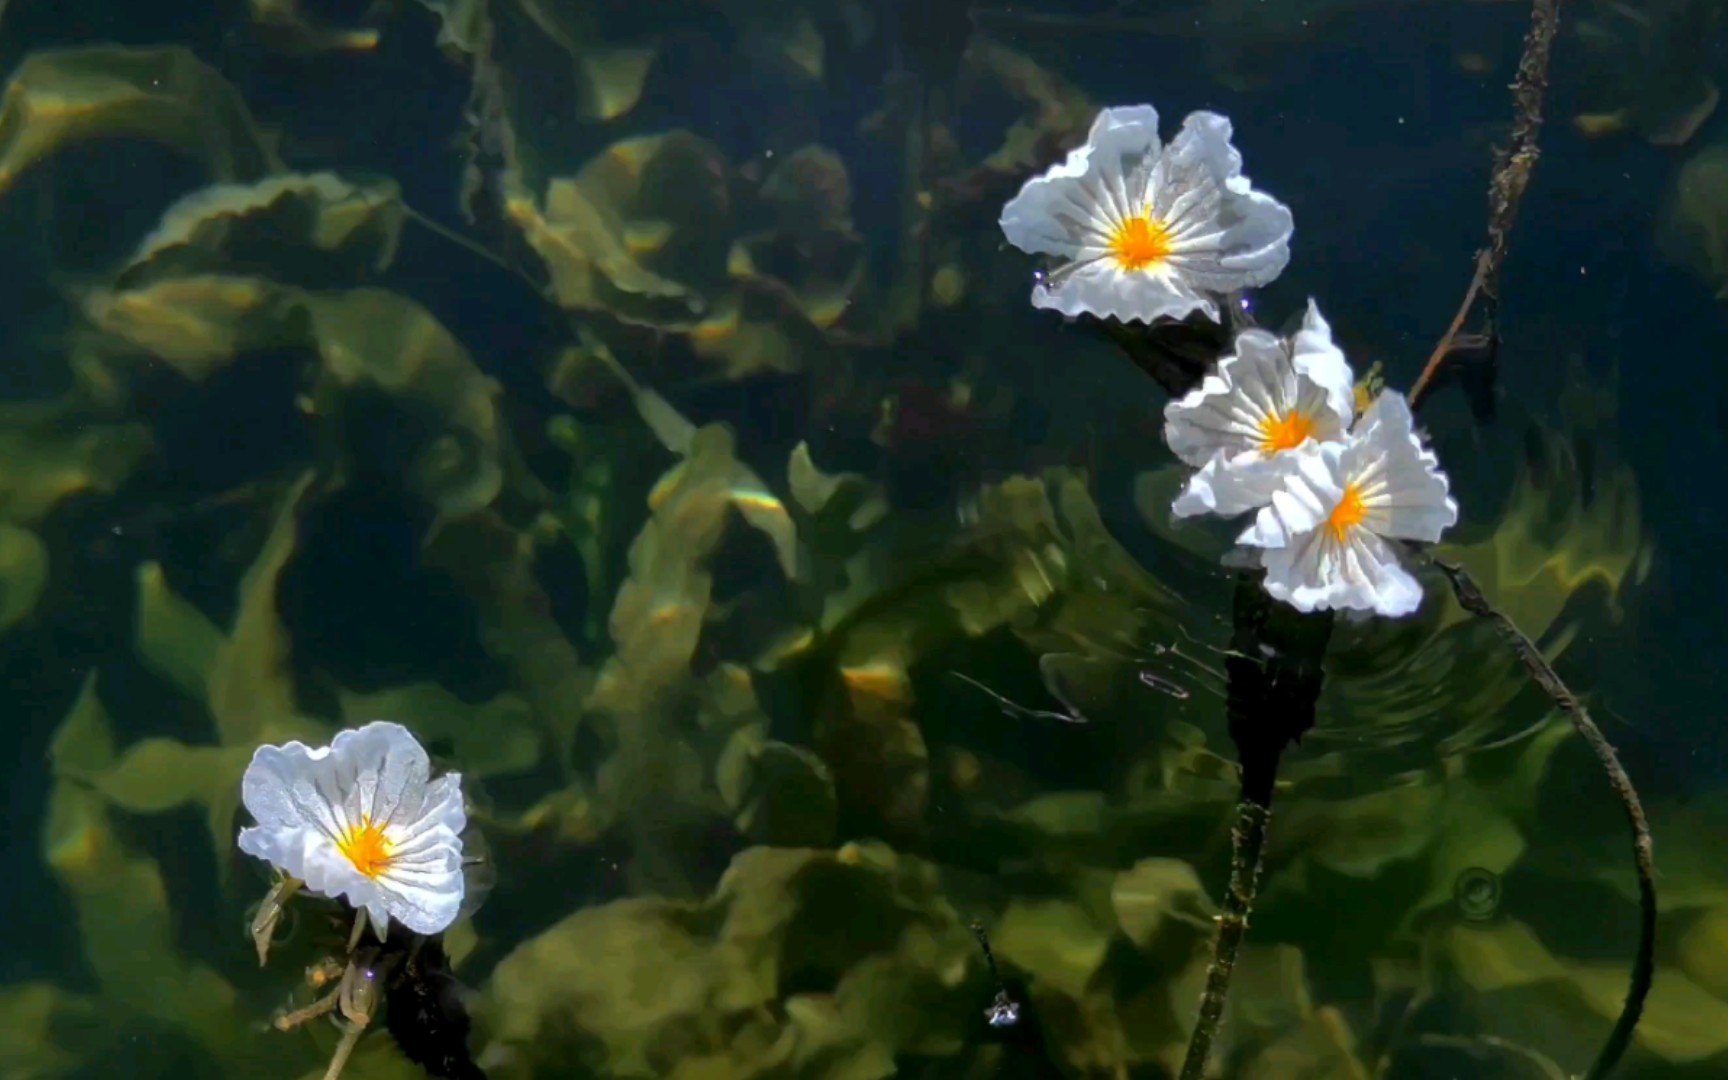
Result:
x=360 y=819
x=1149 y=231
x=1327 y=529
x=1243 y=425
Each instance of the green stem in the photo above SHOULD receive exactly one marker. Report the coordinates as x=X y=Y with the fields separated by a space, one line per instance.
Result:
x=1248 y=845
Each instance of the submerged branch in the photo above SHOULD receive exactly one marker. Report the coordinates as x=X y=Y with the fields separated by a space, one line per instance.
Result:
x=1644 y=964
x=1512 y=170
x=1247 y=850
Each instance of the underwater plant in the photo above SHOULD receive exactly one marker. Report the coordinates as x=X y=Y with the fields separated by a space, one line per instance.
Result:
x=1270 y=423
x=687 y=494
x=362 y=821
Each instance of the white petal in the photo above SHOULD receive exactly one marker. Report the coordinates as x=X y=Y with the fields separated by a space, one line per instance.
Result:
x=1311 y=487
x=1314 y=355
x=1063 y=211
x=1231 y=486
x=1215 y=417
x=1255 y=383
x=1361 y=573
x=1404 y=491
x=1225 y=235
x=289 y=787
x=422 y=887
x=1101 y=288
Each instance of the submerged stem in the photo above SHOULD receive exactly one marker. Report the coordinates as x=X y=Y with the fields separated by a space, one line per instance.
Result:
x=1643 y=858
x=1506 y=187
x=1247 y=848
x=339 y=1059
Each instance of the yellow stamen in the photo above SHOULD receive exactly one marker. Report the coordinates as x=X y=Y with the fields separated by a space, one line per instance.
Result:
x=1140 y=242
x=1348 y=514
x=1285 y=431
x=366 y=847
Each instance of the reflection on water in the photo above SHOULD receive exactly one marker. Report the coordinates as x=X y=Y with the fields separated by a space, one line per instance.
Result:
x=639 y=404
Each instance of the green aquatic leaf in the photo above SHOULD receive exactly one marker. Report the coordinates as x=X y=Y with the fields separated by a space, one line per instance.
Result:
x=23 y=573
x=1692 y=230
x=198 y=325
x=1520 y=985
x=488 y=739
x=588 y=256
x=321 y=210
x=1322 y=1047
x=120 y=896
x=375 y=338
x=659 y=612
x=462 y=24
x=1060 y=944
x=165 y=95
x=778 y=793
x=366 y=339
x=698 y=989
x=609 y=73
x=286 y=27
x=1155 y=896
x=173 y=638
x=157 y=774
x=251 y=689
x=46 y=1032
x=51 y=452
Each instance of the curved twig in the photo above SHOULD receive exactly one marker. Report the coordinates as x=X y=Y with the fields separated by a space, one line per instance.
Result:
x=1542 y=672
x=1511 y=176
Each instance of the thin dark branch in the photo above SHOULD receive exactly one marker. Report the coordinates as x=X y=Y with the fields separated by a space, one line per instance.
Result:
x=1511 y=177
x=1544 y=675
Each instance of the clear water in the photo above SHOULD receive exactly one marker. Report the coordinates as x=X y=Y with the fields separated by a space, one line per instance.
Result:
x=852 y=615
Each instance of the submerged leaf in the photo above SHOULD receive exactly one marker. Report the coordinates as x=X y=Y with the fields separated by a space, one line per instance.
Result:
x=173 y=638
x=251 y=684
x=654 y=987
x=487 y=740
x=320 y=209
x=46 y=1032
x=51 y=452
x=383 y=339
x=165 y=95
x=120 y=896
x=23 y=573
x=197 y=325
x=368 y=339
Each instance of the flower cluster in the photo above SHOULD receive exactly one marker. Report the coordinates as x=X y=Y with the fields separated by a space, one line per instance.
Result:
x=1149 y=233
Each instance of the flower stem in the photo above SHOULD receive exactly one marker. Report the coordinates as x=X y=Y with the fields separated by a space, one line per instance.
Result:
x=1543 y=673
x=339 y=1059
x=1512 y=169
x=1248 y=844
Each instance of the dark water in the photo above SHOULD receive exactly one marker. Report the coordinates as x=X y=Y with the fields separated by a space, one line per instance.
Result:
x=749 y=758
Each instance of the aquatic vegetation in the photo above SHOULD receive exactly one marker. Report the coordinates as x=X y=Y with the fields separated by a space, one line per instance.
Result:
x=1651 y=68
x=687 y=496
x=1693 y=227
x=1146 y=231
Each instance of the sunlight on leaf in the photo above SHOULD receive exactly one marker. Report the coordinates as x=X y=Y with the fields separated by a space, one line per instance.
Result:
x=164 y=95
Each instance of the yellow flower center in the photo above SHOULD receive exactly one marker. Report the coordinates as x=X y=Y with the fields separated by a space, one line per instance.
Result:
x=1140 y=242
x=1347 y=514
x=1285 y=431
x=366 y=847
